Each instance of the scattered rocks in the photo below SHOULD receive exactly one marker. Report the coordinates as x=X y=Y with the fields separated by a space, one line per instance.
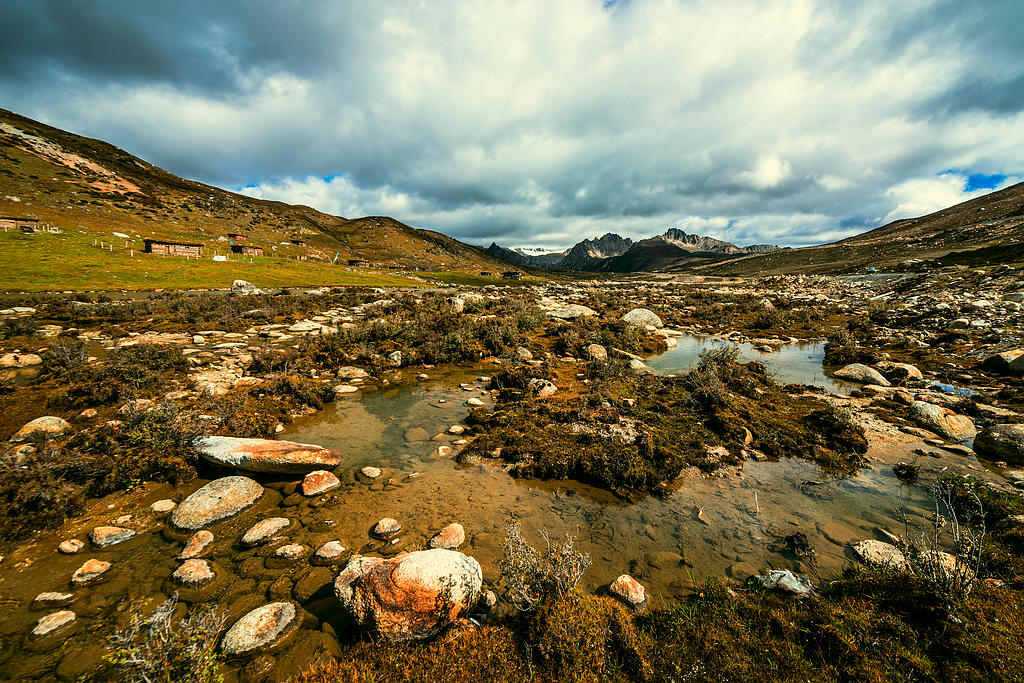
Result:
x=386 y=527
x=1001 y=442
x=47 y=426
x=219 y=500
x=880 y=554
x=412 y=596
x=572 y=312
x=261 y=630
x=53 y=622
x=642 y=317
x=264 y=530
x=629 y=591
x=783 y=580
x=943 y=421
x=194 y=573
x=266 y=455
x=105 y=536
x=448 y=538
x=196 y=545
x=92 y=572
x=858 y=372
x=319 y=481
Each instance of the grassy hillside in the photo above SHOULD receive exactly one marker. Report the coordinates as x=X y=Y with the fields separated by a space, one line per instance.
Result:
x=94 y=189
x=986 y=225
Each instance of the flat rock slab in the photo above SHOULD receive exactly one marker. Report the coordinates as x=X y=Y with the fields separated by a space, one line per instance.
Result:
x=264 y=530
x=319 y=481
x=880 y=554
x=291 y=551
x=196 y=545
x=266 y=455
x=943 y=421
x=858 y=372
x=93 y=571
x=386 y=527
x=105 y=536
x=261 y=629
x=219 y=500
x=52 y=599
x=53 y=622
x=331 y=551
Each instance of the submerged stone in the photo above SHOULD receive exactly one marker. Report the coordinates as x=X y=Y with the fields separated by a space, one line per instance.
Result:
x=266 y=455
x=193 y=573
x=219 y=500
x=105 y=536
x=449 y=538
x=93 y=571
x=196 y=545
x=264 y=530
x=261 y=629
x=53 y=622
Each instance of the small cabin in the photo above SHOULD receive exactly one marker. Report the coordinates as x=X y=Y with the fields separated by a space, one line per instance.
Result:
x=27 y=225
x=237 y=237
x=512 y=275
x=298 y=242
x=358 y=263
x=247 y=249
x=173 y=248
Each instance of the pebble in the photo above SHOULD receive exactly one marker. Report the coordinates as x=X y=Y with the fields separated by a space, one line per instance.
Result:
x=196 y=545
x=104 y=536
x=162 y=507
x=386 y=527
x=370 y=472
x=71 y=546
x=292 y=551
x=474 y=402
x=456 y=429
x=332 y=550
x=53 y=622
x=193 y=573
x=263 y=531
x=93 y=571
x=319 y=481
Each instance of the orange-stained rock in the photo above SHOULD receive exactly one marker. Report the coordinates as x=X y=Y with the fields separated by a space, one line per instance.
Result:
x=411 y=596
x=449 y=538
x=630 y=591
x=196 y=545
x=193 y=573
x=319 y=481
x=266 y=455
x=93 y=571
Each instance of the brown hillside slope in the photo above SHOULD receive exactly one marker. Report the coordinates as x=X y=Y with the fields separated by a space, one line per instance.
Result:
x=990 y=223
x=77 y=183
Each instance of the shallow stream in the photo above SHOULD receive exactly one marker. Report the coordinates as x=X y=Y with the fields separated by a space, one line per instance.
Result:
x=726 y=526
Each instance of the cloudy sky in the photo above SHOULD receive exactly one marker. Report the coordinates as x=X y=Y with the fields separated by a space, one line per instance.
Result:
x=541 y=123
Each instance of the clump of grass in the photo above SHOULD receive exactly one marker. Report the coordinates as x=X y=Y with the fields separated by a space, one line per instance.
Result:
x=533 y=577
x=158 y=648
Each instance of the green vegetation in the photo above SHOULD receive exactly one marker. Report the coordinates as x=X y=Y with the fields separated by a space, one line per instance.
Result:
x=69 y=261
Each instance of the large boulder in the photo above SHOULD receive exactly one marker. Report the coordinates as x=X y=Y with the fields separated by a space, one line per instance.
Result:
x=642 y=317
x=858 y=372
x=244 y=286
x=48 y=426
x=1000 y=362
x=266 y=455
x=411 y=596
x=943 y=421
x=219 y=500
x=1001 y=442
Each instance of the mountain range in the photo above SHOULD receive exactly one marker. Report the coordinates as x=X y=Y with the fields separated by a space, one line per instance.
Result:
x=613 y=253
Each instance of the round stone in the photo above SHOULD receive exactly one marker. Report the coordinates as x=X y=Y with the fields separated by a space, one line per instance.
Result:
x=292 y=551
x=319 y=481
x=193 y=573
x=196 y=544
x=49 y=426
x=71 y=546
x=263 y=531
x=330 y=551
x=370 y=472
x=52 y=599
x=219 y=500
x=386 y=527
x=53 y=622
x=629 y=591
x=261 y=629
x=162 y=507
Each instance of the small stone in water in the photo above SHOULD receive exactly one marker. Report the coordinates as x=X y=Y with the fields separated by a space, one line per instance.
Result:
x=456 y=429
x=104 y=536
x=319 y=481
x=53 y=599
x=162 y=507
x=91 y=572
x=628 y=590
x=331 y=550
x=193 y=573
x=260 y=629
x=474 y=402
x=196 y=545
x=52 y=622
x=71 y=546
x=291 y=551
x=449 y=538
x=386 y=527
x=370 y=472
x=263 y=531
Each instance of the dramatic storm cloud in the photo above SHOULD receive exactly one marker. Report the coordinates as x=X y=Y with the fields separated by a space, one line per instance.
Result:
x=541 y=123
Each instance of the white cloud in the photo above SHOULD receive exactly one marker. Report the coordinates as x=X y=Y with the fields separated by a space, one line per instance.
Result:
x=545 y=123
x=921 y=196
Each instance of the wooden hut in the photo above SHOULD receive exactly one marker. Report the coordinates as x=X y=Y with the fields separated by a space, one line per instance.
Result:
x=237 y=236
x=512 y=275
x=27 y=225
x=173 y=248
x=247 y=249
x=358 y=263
